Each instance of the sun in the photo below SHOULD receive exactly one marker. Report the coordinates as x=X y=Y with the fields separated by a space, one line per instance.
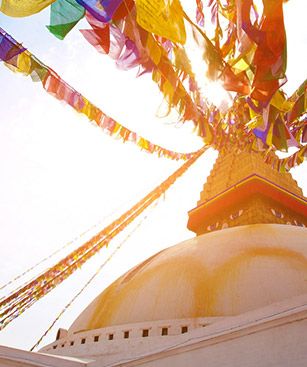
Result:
x=215 y=93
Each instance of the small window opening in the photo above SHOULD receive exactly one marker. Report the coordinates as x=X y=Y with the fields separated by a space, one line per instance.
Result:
x=72 y=343
x=96 y=338
x=164 y=331
x=111 y=336
x=83 y=341
x=63 y=345
x=58 y=335
x=145 y=333
x=236 y=214
x=184 y=329
x=126 y=334
x=277 y=213
x=213 y=227
x=54 y=347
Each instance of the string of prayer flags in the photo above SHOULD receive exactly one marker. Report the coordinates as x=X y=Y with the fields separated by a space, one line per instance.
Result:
x=64 y=15
x=28 y=64
x=136 y=47
x=269 y=60
x=252 y=60
x=247 y=53
x=109 y=258
x=254 y=52
x=33 y=267
x=281 y=123
x=285 y=164
x=270 y=55
x=21 y=299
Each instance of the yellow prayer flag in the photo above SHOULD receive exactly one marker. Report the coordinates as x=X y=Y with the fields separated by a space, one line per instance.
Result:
x=154 y=49
x=256 y=122
x=117 y=126
x=269 y=137
x=156 y=75
x=241 y=65
x=280 y=102
x=162 y=17
x=23 y=8
x=24 y=62
x=143 y=143
x=168 y=91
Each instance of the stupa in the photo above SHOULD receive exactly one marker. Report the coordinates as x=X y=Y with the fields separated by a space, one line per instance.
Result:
x=235 y=295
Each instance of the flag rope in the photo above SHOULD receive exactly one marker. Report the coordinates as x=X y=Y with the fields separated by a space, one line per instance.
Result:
x=19 y=59
x=18 y=301
x=89 y=281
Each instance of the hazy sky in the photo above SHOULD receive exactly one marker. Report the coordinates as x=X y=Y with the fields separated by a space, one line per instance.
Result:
x=60 y=174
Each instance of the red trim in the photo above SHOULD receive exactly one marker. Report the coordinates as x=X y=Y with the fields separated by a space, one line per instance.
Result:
x=241 y=191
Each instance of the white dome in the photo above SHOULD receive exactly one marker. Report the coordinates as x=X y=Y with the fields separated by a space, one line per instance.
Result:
x=222 y=273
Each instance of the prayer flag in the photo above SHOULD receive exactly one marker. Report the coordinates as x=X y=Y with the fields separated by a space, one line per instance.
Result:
x=162 y=17
x=65 y=14
x=102 y=10
x=8 y=49
x=23 y=8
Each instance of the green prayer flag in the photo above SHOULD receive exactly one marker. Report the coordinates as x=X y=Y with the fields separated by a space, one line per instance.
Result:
x=65 y=14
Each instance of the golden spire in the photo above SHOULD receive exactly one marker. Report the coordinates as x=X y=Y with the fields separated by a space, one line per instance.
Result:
x=242 y=189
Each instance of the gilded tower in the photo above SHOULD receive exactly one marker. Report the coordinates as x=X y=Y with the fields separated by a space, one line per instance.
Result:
x=243 y=189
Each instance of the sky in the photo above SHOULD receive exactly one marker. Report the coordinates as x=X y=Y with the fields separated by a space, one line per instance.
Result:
x=61 y=175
